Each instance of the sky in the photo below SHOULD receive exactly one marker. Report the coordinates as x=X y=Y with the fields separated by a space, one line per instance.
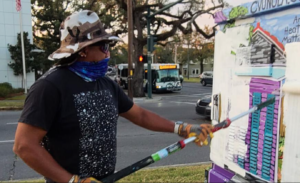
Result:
x=208 y=19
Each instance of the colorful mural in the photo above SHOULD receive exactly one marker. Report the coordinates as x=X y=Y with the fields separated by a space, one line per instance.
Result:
x=285 y=27
x=262 y=129
x=252 y=43
x=268 y=34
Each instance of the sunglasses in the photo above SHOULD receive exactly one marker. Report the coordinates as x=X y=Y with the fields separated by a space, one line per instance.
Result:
x=104 y=47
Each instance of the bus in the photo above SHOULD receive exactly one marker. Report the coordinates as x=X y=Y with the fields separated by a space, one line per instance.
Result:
x=165 y=77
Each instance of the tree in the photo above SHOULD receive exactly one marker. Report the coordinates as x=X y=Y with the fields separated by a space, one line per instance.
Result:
x=204 y=48
x=34 y=57
x=182 y=21
x=16 y=55
x=200 y=48
x=113 y=14
x=119 y=54
x=48 y=16
x=164 y=54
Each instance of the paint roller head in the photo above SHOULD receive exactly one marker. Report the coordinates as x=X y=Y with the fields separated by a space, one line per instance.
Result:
x=266 y=103
x=292 y=87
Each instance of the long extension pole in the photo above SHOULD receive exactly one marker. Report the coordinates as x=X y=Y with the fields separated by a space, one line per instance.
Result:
x=177 y=146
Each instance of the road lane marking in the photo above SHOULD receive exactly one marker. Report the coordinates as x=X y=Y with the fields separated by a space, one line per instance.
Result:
x=192 y=95
x=185 y=103
x=12 y=123
x=6 y=141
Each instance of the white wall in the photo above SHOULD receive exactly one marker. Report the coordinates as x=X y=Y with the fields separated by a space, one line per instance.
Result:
x=9 y=28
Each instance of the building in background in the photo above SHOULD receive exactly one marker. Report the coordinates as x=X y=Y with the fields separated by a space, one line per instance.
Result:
x=9 y=29
x=195 y=68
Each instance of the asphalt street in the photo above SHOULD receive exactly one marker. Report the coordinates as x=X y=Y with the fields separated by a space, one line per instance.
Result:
x=134 y=143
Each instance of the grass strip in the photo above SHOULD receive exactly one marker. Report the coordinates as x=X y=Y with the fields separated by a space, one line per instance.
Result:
x=19 y=97
x=191 y=80
x=12 y=103
x=158 y=175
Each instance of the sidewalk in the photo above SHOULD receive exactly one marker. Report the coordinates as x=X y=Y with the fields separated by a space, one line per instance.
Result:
x=145 y=99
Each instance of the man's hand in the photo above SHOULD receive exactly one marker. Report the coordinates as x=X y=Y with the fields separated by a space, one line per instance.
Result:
x=77 y=179
x=200 y=131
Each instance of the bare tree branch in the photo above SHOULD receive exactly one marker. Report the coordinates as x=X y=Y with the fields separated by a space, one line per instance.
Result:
x=146 y=6
x=207 y=36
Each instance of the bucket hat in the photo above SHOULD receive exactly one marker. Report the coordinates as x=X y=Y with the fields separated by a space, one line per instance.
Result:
x=79 y=30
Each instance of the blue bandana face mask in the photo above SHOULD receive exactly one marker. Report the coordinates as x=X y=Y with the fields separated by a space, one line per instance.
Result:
x=90 y=71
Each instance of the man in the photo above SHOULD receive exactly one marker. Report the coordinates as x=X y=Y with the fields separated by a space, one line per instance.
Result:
x=73 y=109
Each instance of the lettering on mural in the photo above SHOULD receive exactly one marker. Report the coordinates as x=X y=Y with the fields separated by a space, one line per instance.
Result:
x=292 y=32
x=261 y=5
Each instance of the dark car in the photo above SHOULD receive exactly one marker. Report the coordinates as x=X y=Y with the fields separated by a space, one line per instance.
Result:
x=206 y=78
x=203 y=106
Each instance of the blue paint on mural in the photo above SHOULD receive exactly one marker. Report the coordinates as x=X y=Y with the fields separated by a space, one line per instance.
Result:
x=255 y=8
x=285 y=27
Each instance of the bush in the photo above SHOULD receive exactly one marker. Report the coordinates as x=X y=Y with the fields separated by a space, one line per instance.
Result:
x=6 y=85
x=18 y=90
x=4 y=91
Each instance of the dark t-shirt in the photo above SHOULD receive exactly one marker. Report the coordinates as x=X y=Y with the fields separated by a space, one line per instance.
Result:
x=80 y=119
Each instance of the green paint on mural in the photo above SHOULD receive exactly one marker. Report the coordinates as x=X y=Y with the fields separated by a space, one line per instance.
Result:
x=238 y=11
x=250 y=33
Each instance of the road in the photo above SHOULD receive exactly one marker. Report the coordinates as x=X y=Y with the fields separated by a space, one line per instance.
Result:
x=134 y=143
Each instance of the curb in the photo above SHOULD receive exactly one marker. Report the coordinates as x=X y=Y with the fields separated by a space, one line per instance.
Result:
x=145 y=99
x=11 y=108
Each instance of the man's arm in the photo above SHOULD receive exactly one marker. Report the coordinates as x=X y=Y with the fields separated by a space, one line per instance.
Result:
x=148 y=120
x=27 y=147
x=151 y=121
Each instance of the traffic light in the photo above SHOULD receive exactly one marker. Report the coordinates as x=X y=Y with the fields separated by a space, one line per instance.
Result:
x=153 y=41
x=143 y=59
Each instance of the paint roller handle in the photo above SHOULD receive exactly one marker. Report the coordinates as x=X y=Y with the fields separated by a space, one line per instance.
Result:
x=223 y=124
x=227 y=122
x=148 y=160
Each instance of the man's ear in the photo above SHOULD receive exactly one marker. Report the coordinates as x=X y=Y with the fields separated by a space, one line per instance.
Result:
x=85 y=50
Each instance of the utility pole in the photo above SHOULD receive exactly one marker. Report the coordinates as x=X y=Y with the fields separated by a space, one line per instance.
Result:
x=130 y=47
x=188 y=59
x=19 y=9
x=150 y=43
x=175 y=57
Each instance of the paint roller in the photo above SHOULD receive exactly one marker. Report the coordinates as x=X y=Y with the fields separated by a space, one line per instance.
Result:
x=177 y=146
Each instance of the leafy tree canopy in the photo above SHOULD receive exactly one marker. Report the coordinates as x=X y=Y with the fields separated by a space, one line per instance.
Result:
x=113 y=14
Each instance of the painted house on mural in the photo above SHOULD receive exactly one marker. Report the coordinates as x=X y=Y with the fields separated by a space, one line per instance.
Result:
x=262 y=44
x=9 y=28
x=257 y=58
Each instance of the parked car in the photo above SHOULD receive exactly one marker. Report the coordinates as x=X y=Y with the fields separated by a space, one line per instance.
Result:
x=203 y=106
x=206 y=78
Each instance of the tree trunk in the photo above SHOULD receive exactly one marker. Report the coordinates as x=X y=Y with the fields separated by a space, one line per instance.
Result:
x=138 y=90
x=201 y=66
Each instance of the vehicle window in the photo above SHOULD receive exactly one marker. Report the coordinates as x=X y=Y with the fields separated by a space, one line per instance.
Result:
x=174 y=75
x=167 y=75
x=207 y=74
